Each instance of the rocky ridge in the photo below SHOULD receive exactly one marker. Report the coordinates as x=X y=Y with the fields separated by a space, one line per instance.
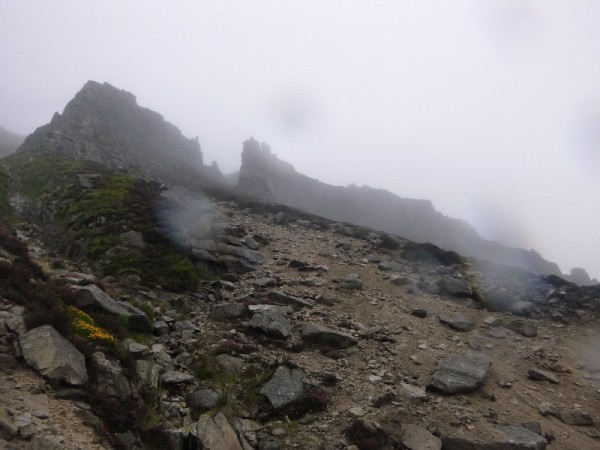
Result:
x=263 y=175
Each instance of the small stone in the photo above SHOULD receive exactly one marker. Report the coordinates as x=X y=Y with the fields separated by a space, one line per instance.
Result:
x=419 y=312
x=357 y=411
x=542 y=375
x=577 y=417
x=412 y=394
x=547 y=408
x=175 y=377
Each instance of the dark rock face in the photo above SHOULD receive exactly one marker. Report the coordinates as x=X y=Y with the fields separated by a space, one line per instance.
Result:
x=105 y=125
x=265 y=176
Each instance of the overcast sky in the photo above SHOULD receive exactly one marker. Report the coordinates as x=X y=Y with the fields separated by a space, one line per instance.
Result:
x=491 y=109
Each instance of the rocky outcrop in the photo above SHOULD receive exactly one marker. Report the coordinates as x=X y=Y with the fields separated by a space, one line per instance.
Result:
x=105 y=125
x=53 y=356
x=92 y=295
x=265 y=176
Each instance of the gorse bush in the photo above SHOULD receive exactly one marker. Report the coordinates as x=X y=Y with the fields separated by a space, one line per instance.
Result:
x=84 y=326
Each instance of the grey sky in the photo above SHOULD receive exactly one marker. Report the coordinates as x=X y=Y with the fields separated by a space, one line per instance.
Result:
x=491 y=109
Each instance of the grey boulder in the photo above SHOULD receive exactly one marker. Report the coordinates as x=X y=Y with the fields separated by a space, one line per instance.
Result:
x=320 y=335
x=272 y=322
x=455 y=287
x=458 y=374
x=457 y=322
x=415 y=437
x=111 y=379
x=53 y=356
x=92 y=295
x=228 y=311
x=213 y=434
x=286 y=386
x=515 y=438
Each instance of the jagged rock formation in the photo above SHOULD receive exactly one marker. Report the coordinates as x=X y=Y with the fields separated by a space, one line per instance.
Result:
x=265 y=176
x=9 y=142
x=105 y=125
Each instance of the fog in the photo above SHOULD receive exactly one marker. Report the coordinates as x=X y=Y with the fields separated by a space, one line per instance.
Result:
x=491 y=109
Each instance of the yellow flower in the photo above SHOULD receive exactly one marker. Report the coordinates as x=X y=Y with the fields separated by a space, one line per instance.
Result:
x=83 y=325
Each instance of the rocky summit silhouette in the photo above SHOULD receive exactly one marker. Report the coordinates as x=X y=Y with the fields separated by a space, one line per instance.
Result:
x=105 y=125
x=138 y=313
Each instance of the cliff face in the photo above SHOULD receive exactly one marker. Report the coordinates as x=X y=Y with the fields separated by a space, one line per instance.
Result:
x=105 y=125
x=263 y=174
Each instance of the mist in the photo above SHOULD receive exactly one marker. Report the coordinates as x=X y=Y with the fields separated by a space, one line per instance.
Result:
x=489 y=109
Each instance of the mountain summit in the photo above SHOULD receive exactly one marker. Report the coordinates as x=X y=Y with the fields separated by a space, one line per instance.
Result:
x=106 y=125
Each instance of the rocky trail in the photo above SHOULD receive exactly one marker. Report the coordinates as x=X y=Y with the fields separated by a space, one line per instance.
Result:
x=317 y=337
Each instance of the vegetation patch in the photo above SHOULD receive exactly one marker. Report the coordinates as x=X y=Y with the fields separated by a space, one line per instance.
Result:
x=87 y=222
x=84 y=326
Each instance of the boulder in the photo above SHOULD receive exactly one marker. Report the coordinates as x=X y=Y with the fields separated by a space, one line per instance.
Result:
x=415 y=437
x=203 y=399
x=390 y=265
x=173 y=377
x=228 y=311
x=272 y=322
x=542 y=375
x=320 y=335
x=286 y=299
x=53 y=356
x=351 y=282
x=523 y=327
x=412 y=394
x=92 y=295
x=111 y=379
x=230 y=364
x=213 y=434
x=457 y=322
x=148 y=373
x=514 y=438
x=455 y=287
x=285 y=387
x=521 y=308
x=458 y=374
x=576 y=417
x=253 y=256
